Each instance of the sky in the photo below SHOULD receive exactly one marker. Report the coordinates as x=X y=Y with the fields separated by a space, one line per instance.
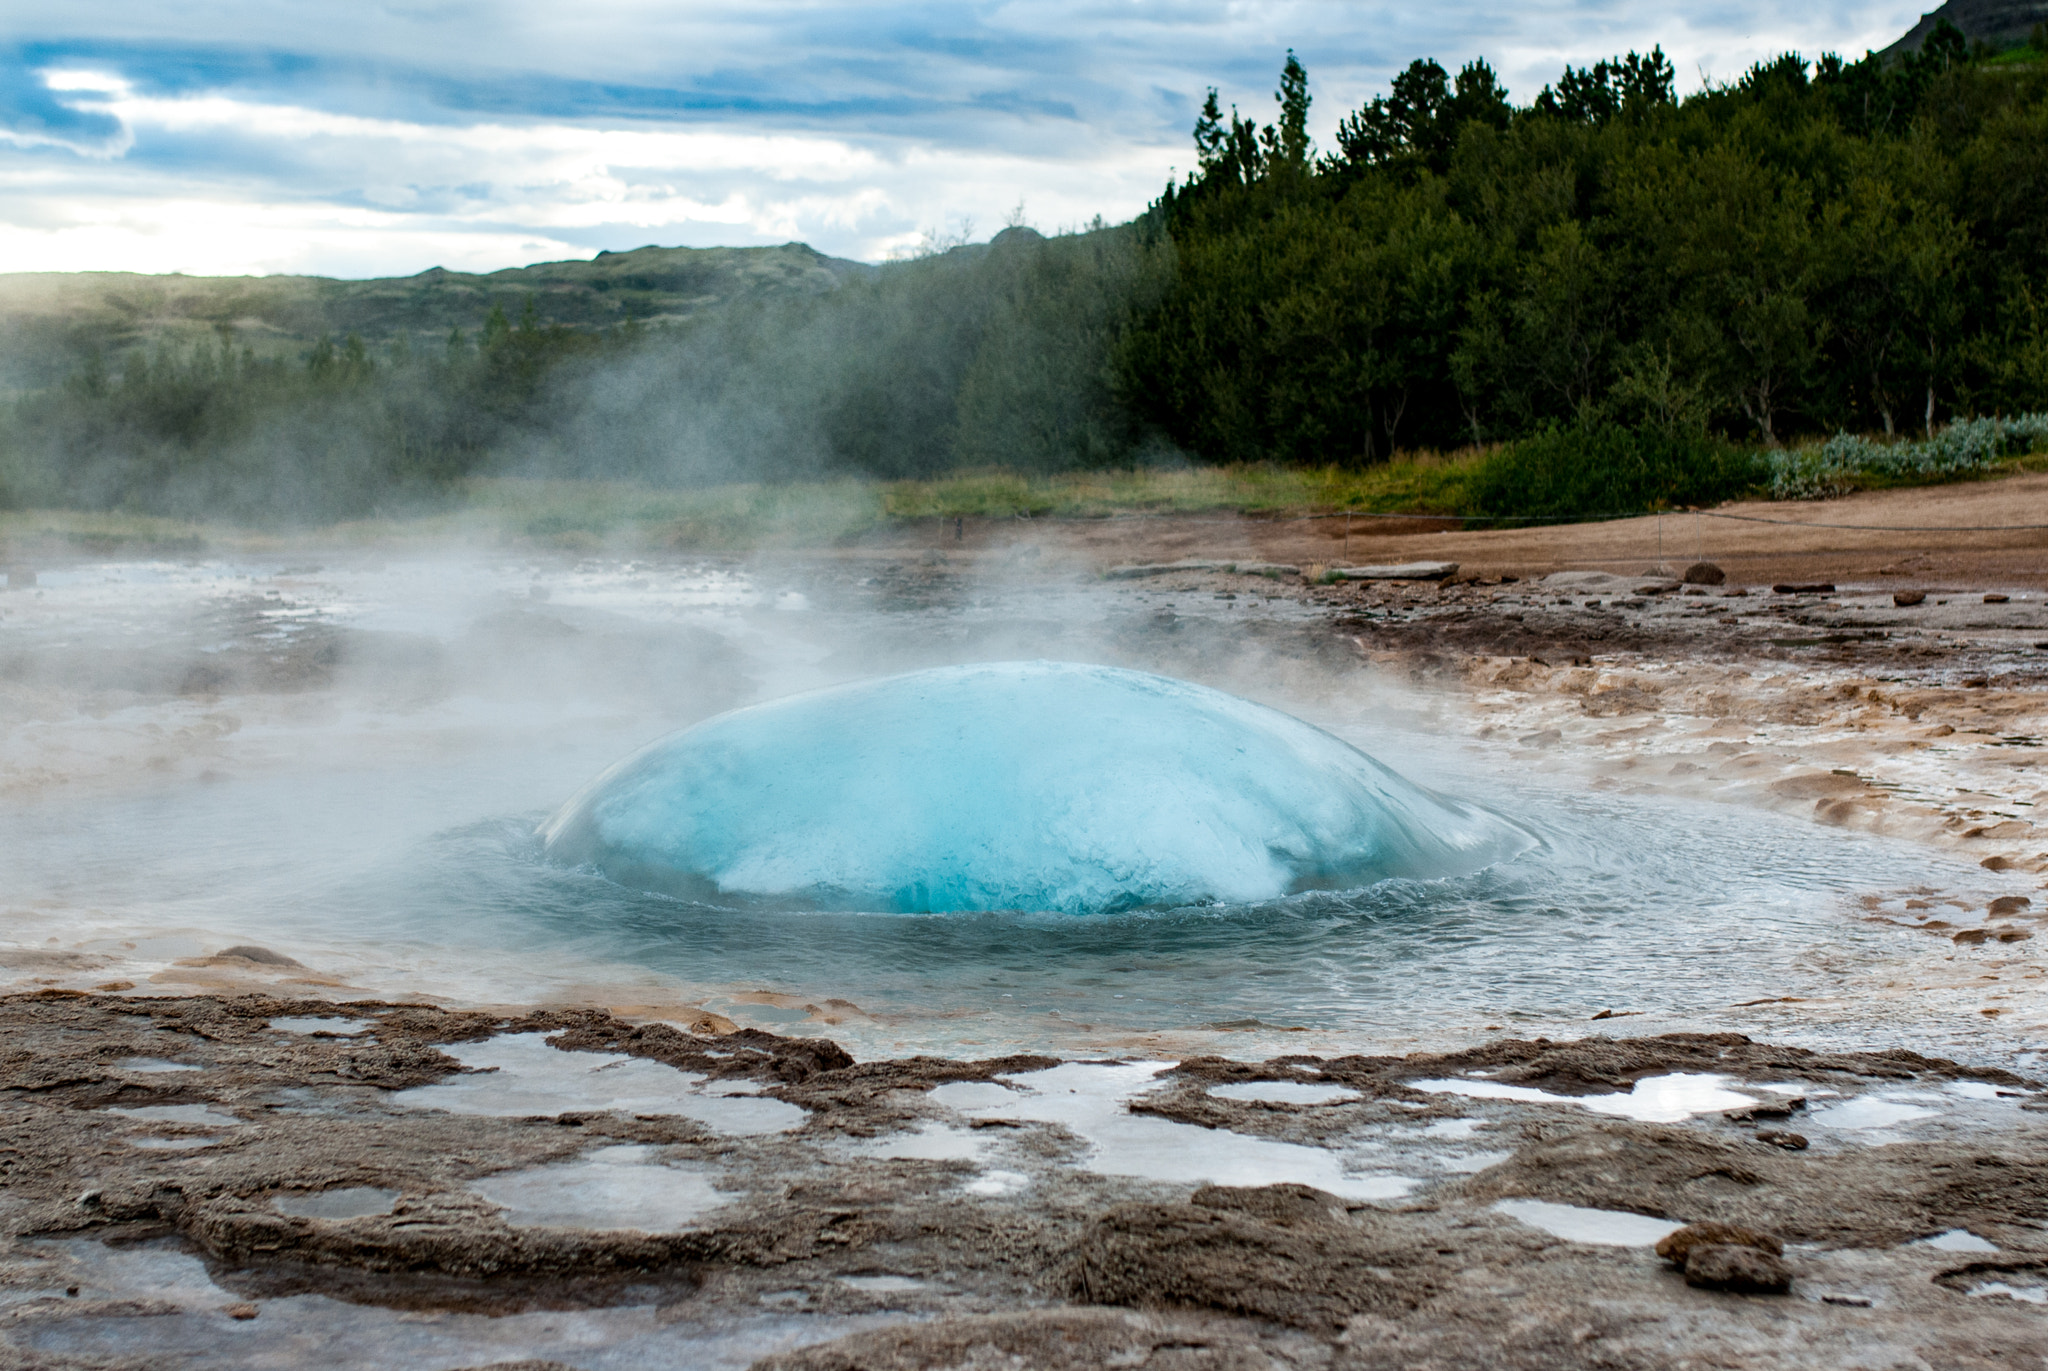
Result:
x=240 y=137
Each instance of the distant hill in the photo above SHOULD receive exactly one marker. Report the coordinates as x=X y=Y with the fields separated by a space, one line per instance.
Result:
x=2001 y=23
x=49 y=320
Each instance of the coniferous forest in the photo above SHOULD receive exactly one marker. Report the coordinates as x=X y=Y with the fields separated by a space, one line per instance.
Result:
x=1633 y=298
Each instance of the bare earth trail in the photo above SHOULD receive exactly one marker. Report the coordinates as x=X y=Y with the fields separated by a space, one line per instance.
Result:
x=1909 y=547
x=235 y=1160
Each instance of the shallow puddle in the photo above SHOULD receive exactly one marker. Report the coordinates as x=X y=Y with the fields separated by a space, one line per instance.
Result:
x=626 y=1187
x=518 y=1075
x=883 y=1284
x=1654 y=1099
x=1957 y=1240
x=1603 y=1227
x=1868 y=1112
x=930 y=1141
x=189 y=1326
x=198 y=1115
x=2025 y=1294
x=1089 y=1100
x=1285 y=1092
x=346 y=1202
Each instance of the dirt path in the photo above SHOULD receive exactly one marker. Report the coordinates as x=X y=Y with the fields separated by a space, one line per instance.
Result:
x=1928 y=537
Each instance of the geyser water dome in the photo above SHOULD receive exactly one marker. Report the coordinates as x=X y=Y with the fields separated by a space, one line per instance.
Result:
x=1013 y=786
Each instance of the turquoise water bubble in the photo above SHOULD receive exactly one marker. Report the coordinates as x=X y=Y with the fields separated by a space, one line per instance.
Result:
x=1043 y=786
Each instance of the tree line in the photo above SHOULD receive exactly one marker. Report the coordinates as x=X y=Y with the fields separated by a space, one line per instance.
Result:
x=1817 y=246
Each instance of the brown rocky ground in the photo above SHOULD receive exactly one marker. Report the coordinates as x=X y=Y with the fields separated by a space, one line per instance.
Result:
x=1074 y=1270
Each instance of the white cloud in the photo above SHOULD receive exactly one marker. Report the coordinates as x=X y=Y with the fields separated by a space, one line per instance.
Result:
x=274 y=135
x=481 y=196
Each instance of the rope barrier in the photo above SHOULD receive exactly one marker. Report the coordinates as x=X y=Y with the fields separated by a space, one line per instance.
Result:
x=1534 y=519
x=1882 y=528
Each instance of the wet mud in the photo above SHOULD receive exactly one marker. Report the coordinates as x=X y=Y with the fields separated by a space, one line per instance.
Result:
x=205 y=1127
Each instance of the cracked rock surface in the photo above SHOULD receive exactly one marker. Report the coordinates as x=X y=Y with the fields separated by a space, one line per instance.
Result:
x=156 y=1216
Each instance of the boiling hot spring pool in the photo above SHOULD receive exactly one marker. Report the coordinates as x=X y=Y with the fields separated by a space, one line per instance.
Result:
x=1052 y=787
x=421 y=820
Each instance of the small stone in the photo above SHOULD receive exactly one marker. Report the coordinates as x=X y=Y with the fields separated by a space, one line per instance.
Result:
x=1703 y=574
x=1804 y=588
x=240 y=1311
x=1969 y=937
x=1405 y=571
x=1903 y=598
x=1674 y=1247
x=2009 y=904
x=1996 y=599
x=262 y=956
x=1743 y=1270
x=1997 y=863
x=1778 y=1137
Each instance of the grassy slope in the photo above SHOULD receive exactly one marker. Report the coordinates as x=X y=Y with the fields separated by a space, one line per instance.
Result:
x=592 y=515
x=48 y=320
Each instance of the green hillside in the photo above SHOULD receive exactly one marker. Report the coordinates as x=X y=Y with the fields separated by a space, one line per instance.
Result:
x=50 y=321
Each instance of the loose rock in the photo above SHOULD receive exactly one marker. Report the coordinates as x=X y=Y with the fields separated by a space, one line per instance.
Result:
x=1676 y=1247
x=1743 y=1270
x=1406 y=571
x=1703 y=574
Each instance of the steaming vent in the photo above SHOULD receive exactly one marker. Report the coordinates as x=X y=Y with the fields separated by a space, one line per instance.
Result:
x=1044 y=786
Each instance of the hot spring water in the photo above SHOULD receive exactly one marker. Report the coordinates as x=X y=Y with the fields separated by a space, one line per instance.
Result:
x=1033 y=786
x=1231 y=865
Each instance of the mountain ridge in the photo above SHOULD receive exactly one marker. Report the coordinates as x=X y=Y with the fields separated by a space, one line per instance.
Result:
x=2001 y=23
x=49 y=320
